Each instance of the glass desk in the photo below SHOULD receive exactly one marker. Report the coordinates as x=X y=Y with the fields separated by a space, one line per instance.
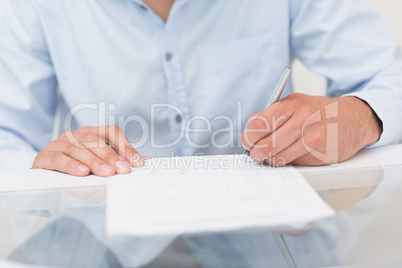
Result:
x=66 y=228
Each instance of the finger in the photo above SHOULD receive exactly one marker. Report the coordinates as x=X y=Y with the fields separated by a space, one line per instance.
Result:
x=320 y=142
x=103 y=151
x=115 y=137
x=60 y=162
x=98 y=166
x=111 y=135
x=262 y=124
x=288 y=155
x=137 y=160
x=277 y=141
x=307 y=150
x=308 y=160
x=316 y=157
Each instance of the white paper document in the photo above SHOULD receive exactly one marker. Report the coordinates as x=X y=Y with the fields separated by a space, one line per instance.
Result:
x=210 y=193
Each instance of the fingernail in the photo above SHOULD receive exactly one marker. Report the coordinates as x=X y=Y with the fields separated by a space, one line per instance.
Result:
x=82 y=168
x=122 y=166
x=106 y=168
x=136 y=157
x=137 y=161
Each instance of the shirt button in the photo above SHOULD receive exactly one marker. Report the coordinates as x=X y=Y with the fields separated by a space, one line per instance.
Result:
x=178 y=118
x=144 y=8
x=168 y=56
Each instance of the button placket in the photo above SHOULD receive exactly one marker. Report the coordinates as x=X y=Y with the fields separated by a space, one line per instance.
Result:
x=176 y=93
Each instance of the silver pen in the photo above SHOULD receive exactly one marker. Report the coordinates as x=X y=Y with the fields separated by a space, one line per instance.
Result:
x=278 y=90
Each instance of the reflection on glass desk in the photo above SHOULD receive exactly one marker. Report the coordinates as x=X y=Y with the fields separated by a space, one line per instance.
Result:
x=66 y=228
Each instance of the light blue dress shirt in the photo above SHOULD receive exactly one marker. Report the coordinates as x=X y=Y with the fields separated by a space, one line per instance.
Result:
x=187 y=86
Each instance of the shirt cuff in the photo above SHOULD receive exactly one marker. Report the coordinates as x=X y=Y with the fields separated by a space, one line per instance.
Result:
x=18 y=160
x=387 y=111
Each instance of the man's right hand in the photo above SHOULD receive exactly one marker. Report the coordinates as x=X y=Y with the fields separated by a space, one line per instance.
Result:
x=103 y=151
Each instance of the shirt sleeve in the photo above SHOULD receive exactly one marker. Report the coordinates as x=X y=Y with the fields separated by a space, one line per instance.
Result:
x=348 y=43
x=28 y=86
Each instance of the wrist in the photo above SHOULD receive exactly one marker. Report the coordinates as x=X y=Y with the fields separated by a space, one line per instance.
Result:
x=368 y=121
